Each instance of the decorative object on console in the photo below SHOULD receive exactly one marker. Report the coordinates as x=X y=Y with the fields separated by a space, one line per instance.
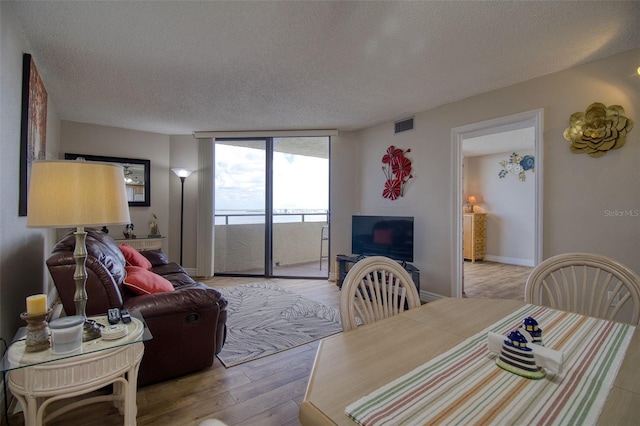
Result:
x=33 y=126
x=128 y=231
x=182 y=174
x=63 y=194
x=598 y=129
x=468 y=206
x=517 y=165
x=397 y=169
x=154 y=228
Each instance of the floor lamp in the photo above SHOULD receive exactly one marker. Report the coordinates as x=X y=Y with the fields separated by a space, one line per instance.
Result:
x=75 y=194
x=182 y=174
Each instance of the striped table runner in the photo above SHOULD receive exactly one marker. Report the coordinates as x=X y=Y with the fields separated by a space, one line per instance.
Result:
x=465 y=386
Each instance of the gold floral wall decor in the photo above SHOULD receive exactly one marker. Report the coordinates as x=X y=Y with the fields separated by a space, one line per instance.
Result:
x=598 y=129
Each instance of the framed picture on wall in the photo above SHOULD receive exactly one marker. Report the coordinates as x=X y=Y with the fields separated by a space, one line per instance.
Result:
x=33 y=126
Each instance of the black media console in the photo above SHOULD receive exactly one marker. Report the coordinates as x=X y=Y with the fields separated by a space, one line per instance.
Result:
x=345 y=262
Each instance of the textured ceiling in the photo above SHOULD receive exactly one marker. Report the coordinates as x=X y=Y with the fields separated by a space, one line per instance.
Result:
x=175 y=67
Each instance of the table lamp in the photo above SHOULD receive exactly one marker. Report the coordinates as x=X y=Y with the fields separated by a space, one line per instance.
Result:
x=468 y=206
x=77 y=193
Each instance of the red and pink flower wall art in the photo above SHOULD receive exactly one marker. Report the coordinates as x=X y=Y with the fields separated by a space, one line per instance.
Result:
x=397 y=169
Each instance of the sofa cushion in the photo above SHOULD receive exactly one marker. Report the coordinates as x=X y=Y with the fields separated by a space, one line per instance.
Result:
x=100 y=246
x=142 y=281
x=156 y=257
x=133 y=257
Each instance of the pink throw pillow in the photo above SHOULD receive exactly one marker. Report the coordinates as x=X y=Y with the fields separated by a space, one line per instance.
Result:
x=133 y=257
x=142 y=281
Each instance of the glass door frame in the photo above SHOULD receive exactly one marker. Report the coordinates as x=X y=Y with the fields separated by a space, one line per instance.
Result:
x=268 y=218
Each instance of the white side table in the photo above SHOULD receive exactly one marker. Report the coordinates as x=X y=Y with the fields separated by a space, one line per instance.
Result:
x=37 y=379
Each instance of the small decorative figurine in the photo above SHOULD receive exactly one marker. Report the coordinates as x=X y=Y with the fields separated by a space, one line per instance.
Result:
x=516 y=357
x=128 y=231
x=530 y=325
x=155 y=230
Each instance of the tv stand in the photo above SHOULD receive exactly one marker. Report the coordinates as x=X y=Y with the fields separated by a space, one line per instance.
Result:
x=345 y=262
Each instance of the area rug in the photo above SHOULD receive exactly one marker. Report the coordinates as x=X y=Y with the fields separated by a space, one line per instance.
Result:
x=264 y=319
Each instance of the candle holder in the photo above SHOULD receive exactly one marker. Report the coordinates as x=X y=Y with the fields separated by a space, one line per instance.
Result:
x=37 y=334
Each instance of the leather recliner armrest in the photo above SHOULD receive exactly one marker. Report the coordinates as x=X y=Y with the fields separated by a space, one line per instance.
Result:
x=184 y=299
x=103 y=290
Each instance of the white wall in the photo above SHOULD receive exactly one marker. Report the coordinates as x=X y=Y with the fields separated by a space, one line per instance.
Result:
x=510 y=207
x=90 y=139
x=22 y=250
x=344 y=186
x=578 y=190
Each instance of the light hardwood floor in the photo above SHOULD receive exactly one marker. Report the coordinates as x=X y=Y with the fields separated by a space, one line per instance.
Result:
x=492 y=280
x=266 y=391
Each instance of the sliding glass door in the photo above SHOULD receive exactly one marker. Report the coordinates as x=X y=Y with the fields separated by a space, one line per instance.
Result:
x=272 y=207
x=240 y=194
x=300 y=206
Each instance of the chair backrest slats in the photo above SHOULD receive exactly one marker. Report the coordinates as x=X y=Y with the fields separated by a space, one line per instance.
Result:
x=586 y=283
x=376 y=288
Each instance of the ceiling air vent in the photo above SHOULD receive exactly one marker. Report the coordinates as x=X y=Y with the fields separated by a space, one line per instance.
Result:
x=404 y=125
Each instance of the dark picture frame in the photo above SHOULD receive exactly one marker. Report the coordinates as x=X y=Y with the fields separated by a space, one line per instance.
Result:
x=33 y=126
x=124 y=162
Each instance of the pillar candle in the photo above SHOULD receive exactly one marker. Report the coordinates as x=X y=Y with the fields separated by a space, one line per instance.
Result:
x=37 y=304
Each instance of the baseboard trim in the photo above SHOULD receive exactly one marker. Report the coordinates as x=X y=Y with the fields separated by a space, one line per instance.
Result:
x=192 y=272
x=510 y=260
x=427 y=296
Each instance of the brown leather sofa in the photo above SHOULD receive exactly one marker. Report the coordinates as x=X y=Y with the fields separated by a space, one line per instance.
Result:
x=188 y=325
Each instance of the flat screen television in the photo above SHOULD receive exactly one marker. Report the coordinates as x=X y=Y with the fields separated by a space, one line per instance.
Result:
x=390 y=236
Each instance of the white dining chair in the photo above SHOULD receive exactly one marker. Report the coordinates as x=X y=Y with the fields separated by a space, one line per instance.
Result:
x=376 y=287
x=588 y=284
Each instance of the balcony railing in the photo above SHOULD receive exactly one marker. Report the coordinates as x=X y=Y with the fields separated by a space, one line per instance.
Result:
x=239 y=240
x=258 y=217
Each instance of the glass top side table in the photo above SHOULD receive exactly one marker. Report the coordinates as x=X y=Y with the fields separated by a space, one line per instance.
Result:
x=37 y=379
x=16 y=357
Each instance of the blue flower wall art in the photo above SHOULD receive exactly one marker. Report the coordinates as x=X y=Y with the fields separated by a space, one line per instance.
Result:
x=517 y=165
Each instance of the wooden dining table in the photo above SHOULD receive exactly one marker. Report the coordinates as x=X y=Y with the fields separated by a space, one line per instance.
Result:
x=353 y=364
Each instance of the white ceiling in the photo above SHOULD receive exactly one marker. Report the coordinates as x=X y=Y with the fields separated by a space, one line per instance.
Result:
x=175 y=67
x=518 y=140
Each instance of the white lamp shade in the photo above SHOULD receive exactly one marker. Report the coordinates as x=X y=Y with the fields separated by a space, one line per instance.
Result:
x=76 y=193
x=183 y=173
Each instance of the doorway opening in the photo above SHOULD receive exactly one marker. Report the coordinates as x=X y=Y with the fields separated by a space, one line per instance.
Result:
x=476 y=138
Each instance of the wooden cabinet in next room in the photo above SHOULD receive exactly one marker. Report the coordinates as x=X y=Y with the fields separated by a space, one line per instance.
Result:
x=474 y=236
